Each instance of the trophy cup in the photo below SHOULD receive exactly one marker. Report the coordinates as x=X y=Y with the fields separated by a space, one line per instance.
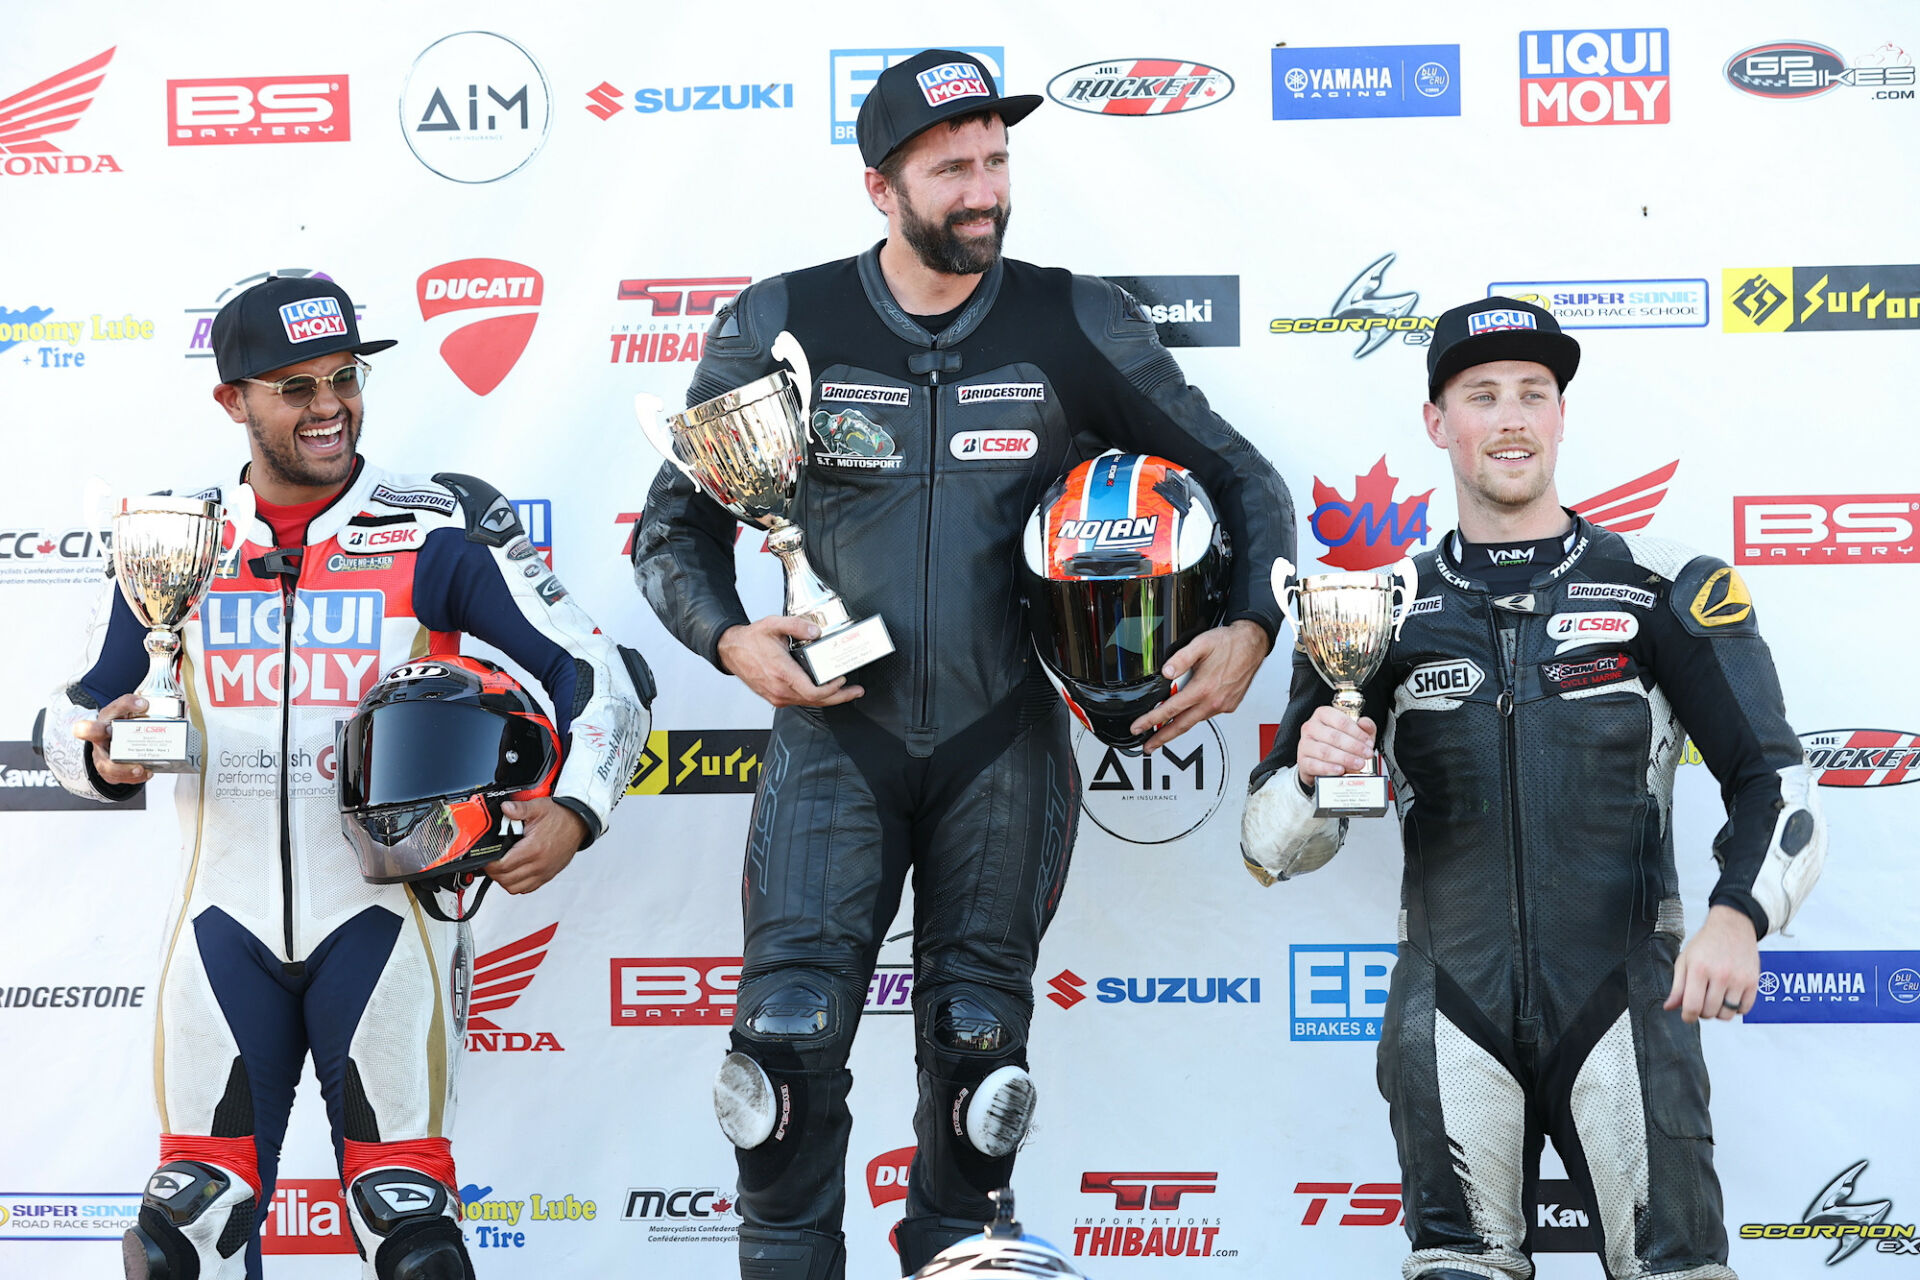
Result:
x=164 y=552
x=1345 y=621
x=745 y=450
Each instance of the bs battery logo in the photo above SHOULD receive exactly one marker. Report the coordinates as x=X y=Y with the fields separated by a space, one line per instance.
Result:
x=1372 y=528
x=1831 y=528
x=482 y=350
x=228 y=110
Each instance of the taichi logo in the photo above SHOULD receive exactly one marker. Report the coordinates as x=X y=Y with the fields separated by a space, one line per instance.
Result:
x=500 y=978
x=482 y=351
x=53 y=105
x=476 y=107
x=1372 y=528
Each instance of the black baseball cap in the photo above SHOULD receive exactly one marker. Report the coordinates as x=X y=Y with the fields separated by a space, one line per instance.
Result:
x=911 y=97
x=1498 y=329
x=284 y=320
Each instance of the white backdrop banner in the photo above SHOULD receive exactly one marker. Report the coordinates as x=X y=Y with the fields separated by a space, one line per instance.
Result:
x=547 y=204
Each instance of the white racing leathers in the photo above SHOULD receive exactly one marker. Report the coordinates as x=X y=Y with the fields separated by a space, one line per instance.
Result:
x=278 y=948
x=1532 y=735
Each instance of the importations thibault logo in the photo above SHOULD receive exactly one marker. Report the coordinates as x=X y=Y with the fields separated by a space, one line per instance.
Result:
x=1147 y=1218
x=680 y=309
x=1838 y=986
x=1140 y=87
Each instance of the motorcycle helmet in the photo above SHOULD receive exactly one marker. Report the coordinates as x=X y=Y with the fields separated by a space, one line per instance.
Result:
x=432 y=752
x=1123 y=562
x=1003 y=1250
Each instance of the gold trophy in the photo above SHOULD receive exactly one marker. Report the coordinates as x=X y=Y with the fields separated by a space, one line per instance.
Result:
x=1345 y=622
x=164 y=552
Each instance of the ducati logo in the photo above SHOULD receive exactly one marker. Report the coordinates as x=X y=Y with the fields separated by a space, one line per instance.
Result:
x=482 y=349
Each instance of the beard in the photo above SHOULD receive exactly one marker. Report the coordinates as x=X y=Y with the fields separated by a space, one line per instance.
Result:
x=283 y=461
x=939 y=249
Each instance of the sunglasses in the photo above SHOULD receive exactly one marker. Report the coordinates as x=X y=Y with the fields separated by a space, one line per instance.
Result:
x=299 y=390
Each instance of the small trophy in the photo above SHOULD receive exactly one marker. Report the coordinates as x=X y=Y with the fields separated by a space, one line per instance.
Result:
x=745 y=449
x=1345 y=621
x=164 y=553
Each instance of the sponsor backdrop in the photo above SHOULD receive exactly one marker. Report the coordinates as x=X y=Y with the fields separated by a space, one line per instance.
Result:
x=547 y=209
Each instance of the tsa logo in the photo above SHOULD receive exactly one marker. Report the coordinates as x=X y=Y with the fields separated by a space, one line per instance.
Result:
x=1339 y=992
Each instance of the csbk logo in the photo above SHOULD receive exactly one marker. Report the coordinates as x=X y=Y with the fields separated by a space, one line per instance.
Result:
x=1573 y=630
x=1863 y=757
x=482 y=351
x=53 y=105
x=985 y=446
x=1140 y=87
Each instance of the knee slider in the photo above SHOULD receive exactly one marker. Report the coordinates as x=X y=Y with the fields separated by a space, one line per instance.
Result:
x=788 y=1022
x=975 y=1036
x=192 y=1217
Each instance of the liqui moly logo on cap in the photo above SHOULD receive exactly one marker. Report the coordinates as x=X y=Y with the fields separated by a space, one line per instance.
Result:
x=950 y=81
x=1493 y=321
x=312 y=318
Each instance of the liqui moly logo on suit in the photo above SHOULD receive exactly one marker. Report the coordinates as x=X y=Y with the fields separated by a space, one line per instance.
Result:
x=335 y=656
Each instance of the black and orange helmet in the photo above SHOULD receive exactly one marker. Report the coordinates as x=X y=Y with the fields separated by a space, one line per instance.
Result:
x=432 y=752
x=1124 y=561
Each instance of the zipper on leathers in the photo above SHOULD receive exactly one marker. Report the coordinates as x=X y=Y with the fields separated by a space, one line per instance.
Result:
x=1508 y=666
x=926 y=569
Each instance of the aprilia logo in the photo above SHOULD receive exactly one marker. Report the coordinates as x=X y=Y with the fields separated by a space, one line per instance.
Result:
x=1873 y=528
x=253 y=109
x=1133 y=1192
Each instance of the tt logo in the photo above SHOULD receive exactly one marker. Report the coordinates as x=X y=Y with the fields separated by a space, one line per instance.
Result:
x=1135 y=1191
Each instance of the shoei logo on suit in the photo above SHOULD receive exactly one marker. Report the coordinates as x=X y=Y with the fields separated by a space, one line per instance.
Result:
x=1338 y=991
x=1188 y=311
x=65 y=1215
x=1831 y=528
x=500 y=978
x=1819 y=299
x=1068 y=990
x=51 y=106
x=699 y=762
x=28 y=786
x=1454 y=678
x=1158 y=796
x=1366 y=80
x=887 y=1175
x=306 y=1215
x=475 y=107
x=335 y=651
x=1140 y=87
x=1364 y=308
x=1838 y=986
x=1794 y=69
x=248 y=109
x=679 y=992
x=674 y=326
x=482 y=351
x=1863 y=757
x=1594 y=77
x=1371 y=529
x=853 y=71
x=1834 y=1214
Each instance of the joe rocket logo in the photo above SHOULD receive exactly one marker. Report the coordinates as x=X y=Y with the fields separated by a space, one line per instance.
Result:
x=1140 y=87
x=854 y=71
x=51 y=106
x=1838 y=986
x=1863 y=757
x=335 y=648
x=1069 y=989
x=500 y=977
x=1372 y=528
x=482 y=350
x=1338 y=991
x=1366 y=80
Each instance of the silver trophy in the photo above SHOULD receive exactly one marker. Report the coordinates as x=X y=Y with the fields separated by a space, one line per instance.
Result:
x=164 y=553
x=1345 y=622
x=745 y=450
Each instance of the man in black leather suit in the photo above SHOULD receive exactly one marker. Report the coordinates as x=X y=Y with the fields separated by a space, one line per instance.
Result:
x=1533 y=707
x=951 y=387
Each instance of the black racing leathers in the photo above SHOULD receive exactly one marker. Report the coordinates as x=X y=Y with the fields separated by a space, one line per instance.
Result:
x=927 y=453
x=1532 y=736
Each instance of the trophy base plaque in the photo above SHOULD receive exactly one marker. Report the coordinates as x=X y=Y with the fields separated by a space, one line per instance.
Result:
x=163 y=746
x=1354 y=795
x=845 y=649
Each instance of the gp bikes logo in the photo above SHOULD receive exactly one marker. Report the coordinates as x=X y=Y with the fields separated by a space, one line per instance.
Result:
x=887 y=1175
x=1789 y=70
x=228 y=110
x=1140 y=87
x=852 y=74
x=334 y=651
x=1819 y=299
x=1364 y=308
x=1833 y=528
x=1629 y=507
x=28 y=786
x=500 y=978
x=1838 y=986
x=1068 y=990
x=1594 y=77
x=1188 y=311
x=53 y=105
x=1145 y=1193
x=483 y=350
x=678 y=992
x=1834 y=1214
x=678 y=762
x=1863 y=757
x=1338 y=991
x=1155 y=797
x=54 y=556
x=1366 y=81
x=475 y=107
x=679 y=311
x=306 y=1215
x=1613 y=304
x=603 y=99
x=1373 y=528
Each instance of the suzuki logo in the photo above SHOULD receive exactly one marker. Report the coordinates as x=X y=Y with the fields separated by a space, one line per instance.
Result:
x=606 y=100
x=1066 y=988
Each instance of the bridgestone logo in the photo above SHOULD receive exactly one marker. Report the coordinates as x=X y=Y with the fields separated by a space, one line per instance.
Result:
x=1454 y=679
x=1610 y=591
x=1431 y=604
x=424 y=500
x=865 y=393
x=1004 y=391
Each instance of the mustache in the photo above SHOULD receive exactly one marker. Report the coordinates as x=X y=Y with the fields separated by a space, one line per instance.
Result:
x=997 y=212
